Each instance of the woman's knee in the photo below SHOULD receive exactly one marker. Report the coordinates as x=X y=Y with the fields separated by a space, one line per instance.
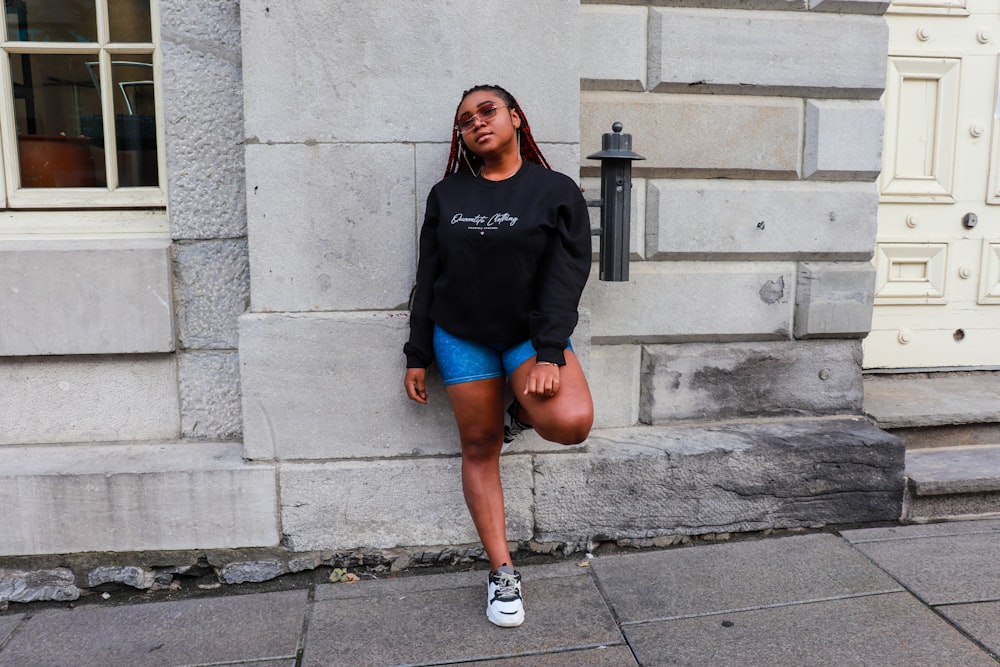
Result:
x=569 y=428
x=481 y=441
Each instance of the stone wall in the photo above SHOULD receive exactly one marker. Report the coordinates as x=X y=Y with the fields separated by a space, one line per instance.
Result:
x=756 y=220
x=300 y=146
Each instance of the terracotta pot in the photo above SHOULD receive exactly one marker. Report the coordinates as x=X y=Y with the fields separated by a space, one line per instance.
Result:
x=55 y=161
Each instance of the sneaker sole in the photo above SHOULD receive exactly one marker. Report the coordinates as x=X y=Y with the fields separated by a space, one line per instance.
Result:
x=505 y=621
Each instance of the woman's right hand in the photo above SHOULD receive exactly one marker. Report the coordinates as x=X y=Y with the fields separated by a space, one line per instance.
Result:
x=415 y=382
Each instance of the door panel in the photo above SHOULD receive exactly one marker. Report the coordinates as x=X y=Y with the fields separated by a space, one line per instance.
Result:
x=937 y=258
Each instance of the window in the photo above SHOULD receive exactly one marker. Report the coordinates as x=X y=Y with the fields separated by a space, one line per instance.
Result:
x=80 y=104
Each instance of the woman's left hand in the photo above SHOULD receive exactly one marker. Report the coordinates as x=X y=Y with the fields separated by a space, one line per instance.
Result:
x=543 y=380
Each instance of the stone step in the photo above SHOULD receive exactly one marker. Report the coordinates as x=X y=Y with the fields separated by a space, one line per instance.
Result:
x=70 y=498
x=936 y=409
x=950 y=482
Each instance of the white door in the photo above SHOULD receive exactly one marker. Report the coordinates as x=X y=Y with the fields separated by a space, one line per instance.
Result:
x=937 y=293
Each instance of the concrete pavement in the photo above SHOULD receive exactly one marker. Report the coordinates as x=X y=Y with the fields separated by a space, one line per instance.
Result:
x=905 y=595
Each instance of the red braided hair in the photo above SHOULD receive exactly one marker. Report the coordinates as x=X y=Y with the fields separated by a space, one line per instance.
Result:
x=462 y=159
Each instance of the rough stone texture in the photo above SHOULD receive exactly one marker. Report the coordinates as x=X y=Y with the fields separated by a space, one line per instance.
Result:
x=641 y=482
x=876 y=7
x=307 y=394
x=613 y=47
x=843 y=140
x=817 y=55
x=75 y=498
x=322 y=238
x=834 y=299
x=212 y=288
x=733 y=380
x=383 y=504
x=210 y=395
x=637 y=215
x=345 y=73
x=665 y=302
x=131 y=575
x=203 y=118
x=108 y=297
x=614 y=384
x=88 y=399
x=950 y=506
x=30 y=586
x=242 y=572
x=698 y=135
x=725 y=219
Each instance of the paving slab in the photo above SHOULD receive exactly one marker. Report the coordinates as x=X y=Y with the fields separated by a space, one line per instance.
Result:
x=735 y=576
x=7 y=625
x=445 y=624
x=981 y=620
x=945 y=569
x=916 y=531
x=877 y=630
x=602 y=656
x=227 y=629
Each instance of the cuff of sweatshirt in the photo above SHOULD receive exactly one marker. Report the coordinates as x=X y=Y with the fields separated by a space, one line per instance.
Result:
x=553 y=355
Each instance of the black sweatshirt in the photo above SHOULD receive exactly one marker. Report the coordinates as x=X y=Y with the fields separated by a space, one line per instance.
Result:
x=501 y=262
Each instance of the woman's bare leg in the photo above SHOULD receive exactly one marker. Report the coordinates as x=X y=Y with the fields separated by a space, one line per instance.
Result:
x=478 y=408
x=565 y=418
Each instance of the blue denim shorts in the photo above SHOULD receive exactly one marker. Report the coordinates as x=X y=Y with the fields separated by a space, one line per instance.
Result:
x=461 y=360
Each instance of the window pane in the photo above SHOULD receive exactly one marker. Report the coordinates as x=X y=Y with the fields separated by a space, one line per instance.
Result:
x=129 y=21
x=55 y=102
x=51 y=20
x=135 y=119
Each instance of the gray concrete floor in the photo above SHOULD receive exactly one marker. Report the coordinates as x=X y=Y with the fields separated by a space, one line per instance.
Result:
x=907 y=595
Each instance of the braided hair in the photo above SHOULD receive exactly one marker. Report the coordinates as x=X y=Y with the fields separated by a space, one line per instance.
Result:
x=462 y=159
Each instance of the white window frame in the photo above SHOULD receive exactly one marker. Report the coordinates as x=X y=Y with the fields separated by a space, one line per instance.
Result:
x=12 y=196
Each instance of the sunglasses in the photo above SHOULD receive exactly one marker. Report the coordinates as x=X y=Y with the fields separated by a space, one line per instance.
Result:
x=466 y=123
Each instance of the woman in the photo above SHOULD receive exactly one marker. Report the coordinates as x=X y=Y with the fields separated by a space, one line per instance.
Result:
x=504 y=256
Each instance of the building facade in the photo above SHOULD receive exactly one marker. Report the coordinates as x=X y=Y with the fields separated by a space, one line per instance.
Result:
x=212 y=357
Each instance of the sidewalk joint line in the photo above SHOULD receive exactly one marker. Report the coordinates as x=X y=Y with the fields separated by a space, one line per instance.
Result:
x=776 y=605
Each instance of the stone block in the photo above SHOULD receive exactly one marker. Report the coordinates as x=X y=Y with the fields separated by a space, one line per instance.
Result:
x=731 y=380
x=796 y=55
x=210 y=395
x=666 y=302
x=203 y=118
x=212 y=289
x=875 y=7
x=325 y=242
x=834 y=299
x=642 y=482
x=88 y=399
x=307 y=88
x=637 y=218
x=330 y=386
x=843 y=140
x=85 y=297
x=613 y=47
x=36 y=585
x=698 y=135
x=125 y=497
x=384 y=504
x=614 y=384
x=725 y=219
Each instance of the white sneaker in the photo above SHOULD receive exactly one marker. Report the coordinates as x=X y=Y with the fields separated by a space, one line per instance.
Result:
x=503 y=603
